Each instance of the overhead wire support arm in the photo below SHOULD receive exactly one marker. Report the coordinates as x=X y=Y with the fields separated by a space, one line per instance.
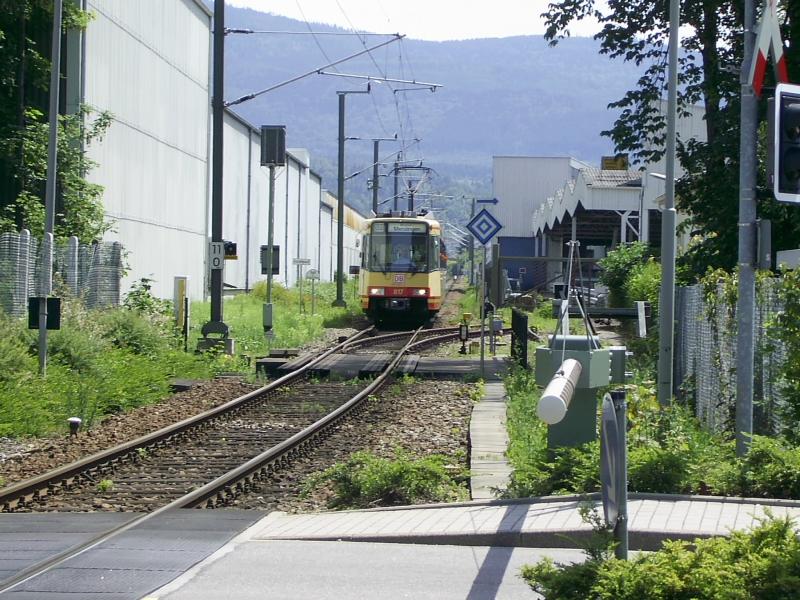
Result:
x=277 y=32
x=247 y=97
x=422 y=84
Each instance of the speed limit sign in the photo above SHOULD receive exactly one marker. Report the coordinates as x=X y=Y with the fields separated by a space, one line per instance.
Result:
x=216 y=255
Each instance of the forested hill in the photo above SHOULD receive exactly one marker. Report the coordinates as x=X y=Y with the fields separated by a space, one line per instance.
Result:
x=505 y=96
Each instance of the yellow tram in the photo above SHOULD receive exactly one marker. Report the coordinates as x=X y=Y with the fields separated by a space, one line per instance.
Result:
x=403 y=263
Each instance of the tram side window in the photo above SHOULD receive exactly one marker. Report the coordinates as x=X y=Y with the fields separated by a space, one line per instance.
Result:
x=365 y=252
x=435 y=254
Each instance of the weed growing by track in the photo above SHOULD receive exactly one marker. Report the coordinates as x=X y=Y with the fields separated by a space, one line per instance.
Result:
x=366 y=480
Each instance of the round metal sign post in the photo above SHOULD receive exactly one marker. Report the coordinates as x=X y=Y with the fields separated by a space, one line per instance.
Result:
x=614 y=468
x=313 y=275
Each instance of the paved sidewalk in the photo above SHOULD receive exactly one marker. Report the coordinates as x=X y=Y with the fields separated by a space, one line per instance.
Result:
x=489 y=468
x=552 y=522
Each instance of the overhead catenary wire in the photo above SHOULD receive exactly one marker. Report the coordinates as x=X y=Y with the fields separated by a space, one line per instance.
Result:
x=310 y=29
x=252 y=95
x=239 y=30
x=403 y=136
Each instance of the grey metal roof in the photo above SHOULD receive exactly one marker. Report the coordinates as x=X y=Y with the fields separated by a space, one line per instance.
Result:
x=609 y=179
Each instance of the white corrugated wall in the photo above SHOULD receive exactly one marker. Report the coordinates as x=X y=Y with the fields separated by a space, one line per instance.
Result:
x=521 y=184
x=152 y=74
x=148 y=63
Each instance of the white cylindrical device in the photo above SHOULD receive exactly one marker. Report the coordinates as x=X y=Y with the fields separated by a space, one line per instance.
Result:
x=557 y=395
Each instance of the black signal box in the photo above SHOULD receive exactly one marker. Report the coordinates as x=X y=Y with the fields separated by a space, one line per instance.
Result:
x=276 y=259
x=53 y=312
x=273 y=145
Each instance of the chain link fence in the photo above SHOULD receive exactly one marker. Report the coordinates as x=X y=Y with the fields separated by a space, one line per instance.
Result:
x=90 y=272
x=705 y=359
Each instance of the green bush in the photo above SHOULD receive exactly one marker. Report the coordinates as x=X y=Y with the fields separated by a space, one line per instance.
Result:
x=141 y=300
x=14 y=357
x=644 y=283
x=617 y=265
x=785 y=327
x=135 y=332
x=760 y=565
x=367 y=480
x=770 y=469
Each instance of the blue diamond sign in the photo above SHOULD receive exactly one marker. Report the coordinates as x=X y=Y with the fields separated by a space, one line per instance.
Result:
x=484 y=226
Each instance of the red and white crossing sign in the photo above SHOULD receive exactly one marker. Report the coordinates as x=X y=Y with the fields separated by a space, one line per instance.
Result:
x=769 y=36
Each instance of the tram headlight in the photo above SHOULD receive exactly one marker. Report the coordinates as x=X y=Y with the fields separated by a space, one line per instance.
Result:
x=421 y=292
x=377 y=291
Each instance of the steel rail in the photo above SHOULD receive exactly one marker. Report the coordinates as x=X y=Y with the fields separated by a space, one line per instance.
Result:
x=40 y=485
x=263 y=460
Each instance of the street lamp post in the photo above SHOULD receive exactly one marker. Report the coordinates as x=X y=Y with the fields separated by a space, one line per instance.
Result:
x=339 y=302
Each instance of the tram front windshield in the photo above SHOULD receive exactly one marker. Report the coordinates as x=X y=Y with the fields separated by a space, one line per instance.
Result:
x=399 y=247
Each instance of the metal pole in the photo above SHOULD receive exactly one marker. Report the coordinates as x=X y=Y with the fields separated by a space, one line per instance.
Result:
x=340 y=211
x=666 y=305
x=483 y=312
x=270 y=228
x=396 y=172
x=50 y=190
x=375 y=159
x=52 y=147
x=472 y=249
x=621 y=526
x=747 y=233
x=410 y=198
x=217 y=107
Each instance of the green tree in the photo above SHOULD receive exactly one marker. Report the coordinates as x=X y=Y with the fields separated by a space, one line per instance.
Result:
x=709 y=62
x=25 y=34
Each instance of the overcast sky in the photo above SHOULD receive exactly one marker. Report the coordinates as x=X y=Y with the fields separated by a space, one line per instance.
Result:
x=422 y=19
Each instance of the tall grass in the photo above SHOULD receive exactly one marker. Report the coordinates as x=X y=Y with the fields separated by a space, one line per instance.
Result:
x=293 y=322
x=108 y=361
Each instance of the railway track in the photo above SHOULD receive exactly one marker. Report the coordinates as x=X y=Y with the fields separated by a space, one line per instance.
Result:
x=157 y=473
x=155 y=469
x=214 y=458
x=150 y=471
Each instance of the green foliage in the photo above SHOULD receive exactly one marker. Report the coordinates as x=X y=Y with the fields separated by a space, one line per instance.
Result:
x=25 y=32
x=785 y=327
x=14 y=357
x=80 y=211
x=770 y=469
x=554 y=582
x=105 y=485
x=644 y=283
x=617 y=267
x=763 y=564
x=141 y=299
x=293 y=323
x=668 y=452
x=710 y=56
x=366 y=480
x=99 y=362
x=134 y=332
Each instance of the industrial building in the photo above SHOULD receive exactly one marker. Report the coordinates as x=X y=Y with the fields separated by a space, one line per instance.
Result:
x=154 y=75
x=541 y=198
